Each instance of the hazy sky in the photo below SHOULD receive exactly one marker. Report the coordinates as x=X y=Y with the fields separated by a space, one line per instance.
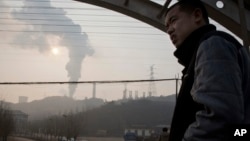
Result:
x=64 y=40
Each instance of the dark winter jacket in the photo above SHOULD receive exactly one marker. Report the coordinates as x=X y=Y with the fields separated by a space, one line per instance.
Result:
x=215 y=91
x=164 y=136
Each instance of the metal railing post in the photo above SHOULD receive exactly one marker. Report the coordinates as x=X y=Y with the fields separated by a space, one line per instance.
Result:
x=243 y=23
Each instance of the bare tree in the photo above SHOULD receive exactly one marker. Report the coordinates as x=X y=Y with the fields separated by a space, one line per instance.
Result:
x=73 y=125
x=6 y=121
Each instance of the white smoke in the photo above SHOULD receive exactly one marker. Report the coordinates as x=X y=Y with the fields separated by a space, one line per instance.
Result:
x=6 y=19
x=43 y=36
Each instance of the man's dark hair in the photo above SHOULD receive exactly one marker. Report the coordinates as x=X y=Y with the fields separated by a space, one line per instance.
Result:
x=165 y=129
x=189 y=6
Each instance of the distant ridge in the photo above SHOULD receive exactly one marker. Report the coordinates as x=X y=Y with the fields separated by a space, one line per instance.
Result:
x=59 y=105
x=55 y=105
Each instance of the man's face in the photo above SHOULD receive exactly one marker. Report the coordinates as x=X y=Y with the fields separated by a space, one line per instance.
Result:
x=179 y=25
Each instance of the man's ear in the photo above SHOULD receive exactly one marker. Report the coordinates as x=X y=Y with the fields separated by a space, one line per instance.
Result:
x=198 y=15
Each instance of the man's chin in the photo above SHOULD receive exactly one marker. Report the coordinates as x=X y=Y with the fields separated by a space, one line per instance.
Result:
x=176 y=45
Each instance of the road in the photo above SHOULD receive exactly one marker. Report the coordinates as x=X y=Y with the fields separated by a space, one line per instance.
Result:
x=100 y=139
x=79 y=139
x=18 y=139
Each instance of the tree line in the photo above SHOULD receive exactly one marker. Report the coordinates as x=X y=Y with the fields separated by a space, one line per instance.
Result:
x=108 y=120
x=6 y=121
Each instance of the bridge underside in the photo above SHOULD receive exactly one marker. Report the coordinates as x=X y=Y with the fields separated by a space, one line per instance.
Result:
x=232 y=15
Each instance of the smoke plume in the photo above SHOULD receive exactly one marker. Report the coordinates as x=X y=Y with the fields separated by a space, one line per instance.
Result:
x=42 y=35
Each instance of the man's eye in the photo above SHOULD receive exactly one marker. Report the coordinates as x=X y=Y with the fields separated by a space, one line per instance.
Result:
x=173 y=20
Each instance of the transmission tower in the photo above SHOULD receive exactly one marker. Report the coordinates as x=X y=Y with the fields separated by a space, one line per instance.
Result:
x=152 y=87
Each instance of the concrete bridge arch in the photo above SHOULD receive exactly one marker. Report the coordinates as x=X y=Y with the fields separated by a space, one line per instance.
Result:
x=234 y=14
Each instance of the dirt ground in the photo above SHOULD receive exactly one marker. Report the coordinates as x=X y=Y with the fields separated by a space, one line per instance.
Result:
x=79 y=139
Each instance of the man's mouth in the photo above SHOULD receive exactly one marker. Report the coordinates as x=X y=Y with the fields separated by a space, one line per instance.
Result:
x=173 y=39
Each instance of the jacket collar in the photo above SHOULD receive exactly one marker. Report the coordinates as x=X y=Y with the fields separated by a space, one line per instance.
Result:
x=189 y=46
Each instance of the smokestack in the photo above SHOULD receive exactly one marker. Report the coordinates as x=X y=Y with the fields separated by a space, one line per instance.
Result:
x=44 y=33
x=94 y=90
x=149 y=94
x=130 y=95
x=136 y=95
x=125 y=92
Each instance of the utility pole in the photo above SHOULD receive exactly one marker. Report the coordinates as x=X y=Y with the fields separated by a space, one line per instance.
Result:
x=176 y=90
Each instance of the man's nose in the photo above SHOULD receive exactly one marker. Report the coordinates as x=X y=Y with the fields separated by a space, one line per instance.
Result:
x=170 y=30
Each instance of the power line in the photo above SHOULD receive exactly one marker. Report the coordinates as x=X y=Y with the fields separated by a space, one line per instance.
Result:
x=115 y=37
x=57 y=0
x=60 y=20
x=80 y=46
x=64 y=19
x=89 y=32
x=83 y=82
x=71 y=25
x=46 y=7
x=59 y=14
x=41 y=0
x=60 y=1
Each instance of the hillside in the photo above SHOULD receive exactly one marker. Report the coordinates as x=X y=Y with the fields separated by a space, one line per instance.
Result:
x=90 y=116
x=114 y=117
x=40 y=109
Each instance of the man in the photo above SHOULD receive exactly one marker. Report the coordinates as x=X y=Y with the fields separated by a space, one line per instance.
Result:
x=164 y=135
x=215 y=91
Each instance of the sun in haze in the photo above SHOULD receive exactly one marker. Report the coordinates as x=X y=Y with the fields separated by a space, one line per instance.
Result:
x=55 y=51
